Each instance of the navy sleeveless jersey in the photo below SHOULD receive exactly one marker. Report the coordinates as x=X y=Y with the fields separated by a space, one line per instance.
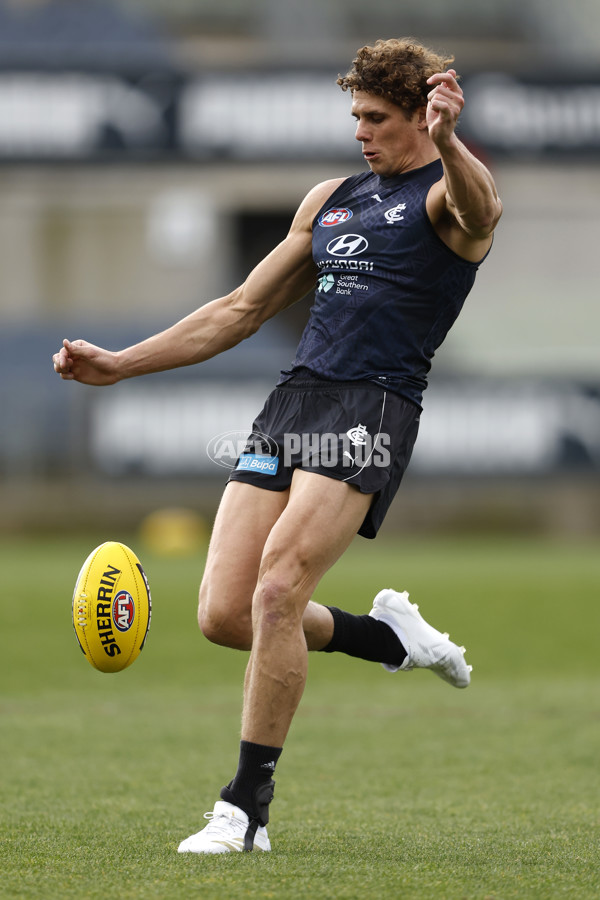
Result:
x=389 y=289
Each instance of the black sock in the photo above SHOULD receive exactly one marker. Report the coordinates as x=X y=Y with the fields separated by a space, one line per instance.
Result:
x=365 y=638
x=252 y=787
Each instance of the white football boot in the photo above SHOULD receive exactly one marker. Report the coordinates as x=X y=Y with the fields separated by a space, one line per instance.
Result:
x=228 y=831
x=426 y=647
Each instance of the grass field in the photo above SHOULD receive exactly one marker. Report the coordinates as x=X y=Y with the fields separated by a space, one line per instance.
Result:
x=389 y=786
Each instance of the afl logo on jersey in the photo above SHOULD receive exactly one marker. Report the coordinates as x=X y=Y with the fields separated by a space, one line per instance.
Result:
x=335 y=217
x=347 y=245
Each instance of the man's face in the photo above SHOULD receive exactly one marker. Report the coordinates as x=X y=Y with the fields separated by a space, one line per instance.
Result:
x=389 y=140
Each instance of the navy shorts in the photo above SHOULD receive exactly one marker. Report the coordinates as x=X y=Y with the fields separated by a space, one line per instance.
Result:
x=356 y=432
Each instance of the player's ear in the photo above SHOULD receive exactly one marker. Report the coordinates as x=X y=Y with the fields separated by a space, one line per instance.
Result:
x=422 y=118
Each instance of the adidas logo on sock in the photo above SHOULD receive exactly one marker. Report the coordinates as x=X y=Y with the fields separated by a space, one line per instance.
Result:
x=269 y=766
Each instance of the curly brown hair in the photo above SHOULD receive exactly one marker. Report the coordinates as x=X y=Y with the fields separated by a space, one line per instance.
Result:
x=396 y=69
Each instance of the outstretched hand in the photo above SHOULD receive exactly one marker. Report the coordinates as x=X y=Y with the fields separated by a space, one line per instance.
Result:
x=444 y=105
x=84 y=362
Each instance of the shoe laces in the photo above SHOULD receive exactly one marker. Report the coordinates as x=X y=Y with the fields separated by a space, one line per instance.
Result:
x=222 y=824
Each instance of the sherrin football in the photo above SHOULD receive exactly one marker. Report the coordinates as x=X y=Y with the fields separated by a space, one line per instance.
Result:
x=111 y=607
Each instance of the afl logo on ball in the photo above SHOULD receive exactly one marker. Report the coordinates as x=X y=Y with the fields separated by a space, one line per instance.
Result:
x=123 y=611
x=335 y=217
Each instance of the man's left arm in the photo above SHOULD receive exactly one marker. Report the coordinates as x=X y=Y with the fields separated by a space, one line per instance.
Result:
x=466 y=202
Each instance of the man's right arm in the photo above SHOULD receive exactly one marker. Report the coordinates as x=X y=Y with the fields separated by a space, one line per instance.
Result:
x=278 y=281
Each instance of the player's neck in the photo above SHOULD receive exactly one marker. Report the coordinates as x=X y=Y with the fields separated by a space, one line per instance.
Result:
x=416 y=160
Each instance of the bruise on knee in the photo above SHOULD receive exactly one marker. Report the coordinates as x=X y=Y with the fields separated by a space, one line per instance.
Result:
x=277 y=606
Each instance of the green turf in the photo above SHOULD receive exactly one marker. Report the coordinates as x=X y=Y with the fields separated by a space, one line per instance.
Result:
x=389 y=786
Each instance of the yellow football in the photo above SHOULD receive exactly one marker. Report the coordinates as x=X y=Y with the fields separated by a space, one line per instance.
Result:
x=111 y=607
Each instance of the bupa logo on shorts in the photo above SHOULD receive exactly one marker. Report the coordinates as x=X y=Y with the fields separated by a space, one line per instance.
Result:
x=335 y=217
x=123 y=611
x=253 y=462
x=347 y=245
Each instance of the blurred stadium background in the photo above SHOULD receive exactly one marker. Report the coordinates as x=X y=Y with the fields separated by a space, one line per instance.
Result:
x=151 y=152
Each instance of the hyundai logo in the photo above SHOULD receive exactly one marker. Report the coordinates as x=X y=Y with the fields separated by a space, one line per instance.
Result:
x=347 y=245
